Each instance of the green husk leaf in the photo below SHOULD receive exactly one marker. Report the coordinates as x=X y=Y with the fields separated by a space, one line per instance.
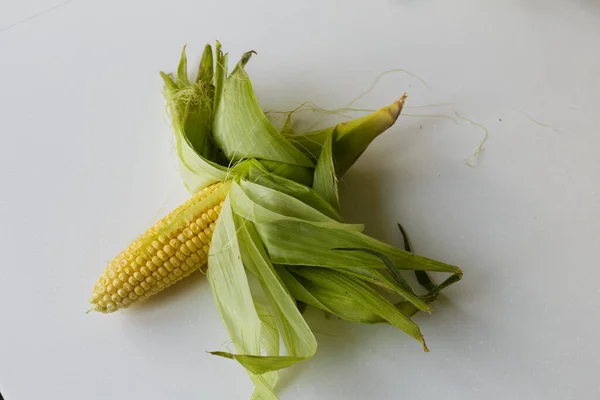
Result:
x=325 y=182
x=341 y=301
x=298 y=291
x=378 y=278
x=227 y=277
x=191 y=113
x=261 y=204
x=294 y=189
x=182 y=75
x=206 y=69
x=259 y=365
x=409 y=309
x=422 y=276
x=350 y=139
x=355 y=136
x=296 y=173
x=297 y=336
x=254 y=330
x=392 y=269
x=449 y=281
x=190 y=108
x=220 y=74
x=337 y=290
x=269 y=332
x=267 y=208
x=306 y=293
x=265 y=383
x=242 y=130
x=245 y=58
x=295 y=233
x=307 y=243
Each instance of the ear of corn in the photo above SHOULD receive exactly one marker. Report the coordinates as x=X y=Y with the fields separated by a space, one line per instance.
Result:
x=265 y=207
x=172 y=249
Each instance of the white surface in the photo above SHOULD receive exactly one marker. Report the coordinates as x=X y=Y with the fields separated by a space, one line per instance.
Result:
x=85 y=165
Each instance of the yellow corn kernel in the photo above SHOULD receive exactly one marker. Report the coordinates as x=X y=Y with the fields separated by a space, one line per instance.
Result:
x=172 y=249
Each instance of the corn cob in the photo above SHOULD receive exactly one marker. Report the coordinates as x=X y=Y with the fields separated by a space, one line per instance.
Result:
x=172 y=249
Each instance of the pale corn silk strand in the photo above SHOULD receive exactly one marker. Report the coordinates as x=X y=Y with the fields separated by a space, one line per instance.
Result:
x=470 y=161
x=372 y=87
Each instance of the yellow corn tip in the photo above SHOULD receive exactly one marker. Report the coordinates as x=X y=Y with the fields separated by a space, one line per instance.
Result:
x=172 y=249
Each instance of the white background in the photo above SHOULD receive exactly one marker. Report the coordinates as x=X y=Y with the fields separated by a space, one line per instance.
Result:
x=86 y=164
